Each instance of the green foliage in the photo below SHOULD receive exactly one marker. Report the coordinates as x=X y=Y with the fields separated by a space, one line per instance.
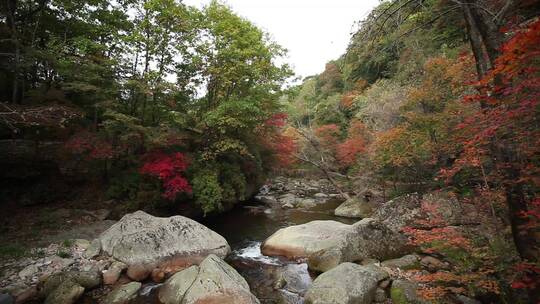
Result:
x=207 y=190
x=12 y=251
x=124 y=186
x=63 y=254
x=233 y=182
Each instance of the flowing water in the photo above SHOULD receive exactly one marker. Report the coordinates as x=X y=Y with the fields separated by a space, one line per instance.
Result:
x=245 y=228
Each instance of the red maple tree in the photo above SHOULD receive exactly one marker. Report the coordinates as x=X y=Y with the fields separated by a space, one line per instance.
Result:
x=169 y=169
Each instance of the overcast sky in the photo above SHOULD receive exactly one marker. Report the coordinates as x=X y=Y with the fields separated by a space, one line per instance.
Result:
x=314 y=31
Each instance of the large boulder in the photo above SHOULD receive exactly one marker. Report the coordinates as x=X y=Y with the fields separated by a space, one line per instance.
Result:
x=355 y=207
x=347 y=283
x=140 y=238
x=327 y=244
x=212 y=282
x=68 y=292
x=413 y=210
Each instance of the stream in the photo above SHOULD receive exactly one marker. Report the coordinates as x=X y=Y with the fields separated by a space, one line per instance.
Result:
x=273 y=280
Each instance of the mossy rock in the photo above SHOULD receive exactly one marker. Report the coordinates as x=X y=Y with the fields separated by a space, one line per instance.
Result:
x=404 y=292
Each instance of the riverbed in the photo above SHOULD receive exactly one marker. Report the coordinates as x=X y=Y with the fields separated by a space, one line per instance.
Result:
x=272 y=279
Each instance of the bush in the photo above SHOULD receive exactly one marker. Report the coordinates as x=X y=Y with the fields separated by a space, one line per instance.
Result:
x=207 y=190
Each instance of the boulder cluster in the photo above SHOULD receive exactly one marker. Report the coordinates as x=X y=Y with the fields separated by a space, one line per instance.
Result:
x=359 y=263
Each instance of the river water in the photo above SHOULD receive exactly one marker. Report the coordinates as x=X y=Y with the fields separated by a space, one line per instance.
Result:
x=273 y=280
x=247 y=226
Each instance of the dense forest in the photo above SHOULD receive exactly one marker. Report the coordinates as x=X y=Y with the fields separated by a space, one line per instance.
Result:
x=159 y=106
x=142 y=95
x=438 y=95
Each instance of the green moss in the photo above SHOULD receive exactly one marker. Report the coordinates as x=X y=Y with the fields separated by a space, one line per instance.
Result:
x=398 y=296
x=67 y=243
x=12 y=251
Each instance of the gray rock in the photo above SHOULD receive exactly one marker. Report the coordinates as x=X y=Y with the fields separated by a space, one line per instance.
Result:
x=347 y=283
x=213 y=281
x=174 y=289
x=81 y=243
x=28 y=271
x=380 y=296
x=320 y=195
x=405 y=262
x=219 y=282
x=6 y=299
x=327 y=244
x=354 y=208
x=266 y=199
x=93 y=250
x=86 y=279
x=59 y=262
x=68 y=292
x=123 y=294
x=287 y=206
x=289 y=198
x=433 y=263
x=466 y=300
x=306 y=203
x=111 y=275
x=407 y=210
x=294 y=278
x=140 y=238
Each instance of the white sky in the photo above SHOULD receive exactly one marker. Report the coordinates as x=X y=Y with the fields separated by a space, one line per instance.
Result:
x=314 y=31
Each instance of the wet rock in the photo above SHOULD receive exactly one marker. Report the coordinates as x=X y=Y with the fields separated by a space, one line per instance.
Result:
x=409 y=261
x=327 y=244
x=140 y=238
x=123 y=294
x=68 y=292
x=347 y=283
x=213 y=281
x=354 y=208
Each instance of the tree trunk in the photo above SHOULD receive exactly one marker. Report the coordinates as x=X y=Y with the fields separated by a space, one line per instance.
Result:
x=486 y=40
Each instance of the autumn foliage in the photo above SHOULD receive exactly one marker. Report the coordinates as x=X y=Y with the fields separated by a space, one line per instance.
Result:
x=280 y=140
x=168 y=168
x=91 y=146
x=351 y=148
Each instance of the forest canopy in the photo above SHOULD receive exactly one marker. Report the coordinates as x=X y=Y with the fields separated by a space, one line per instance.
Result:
x=138 y=89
